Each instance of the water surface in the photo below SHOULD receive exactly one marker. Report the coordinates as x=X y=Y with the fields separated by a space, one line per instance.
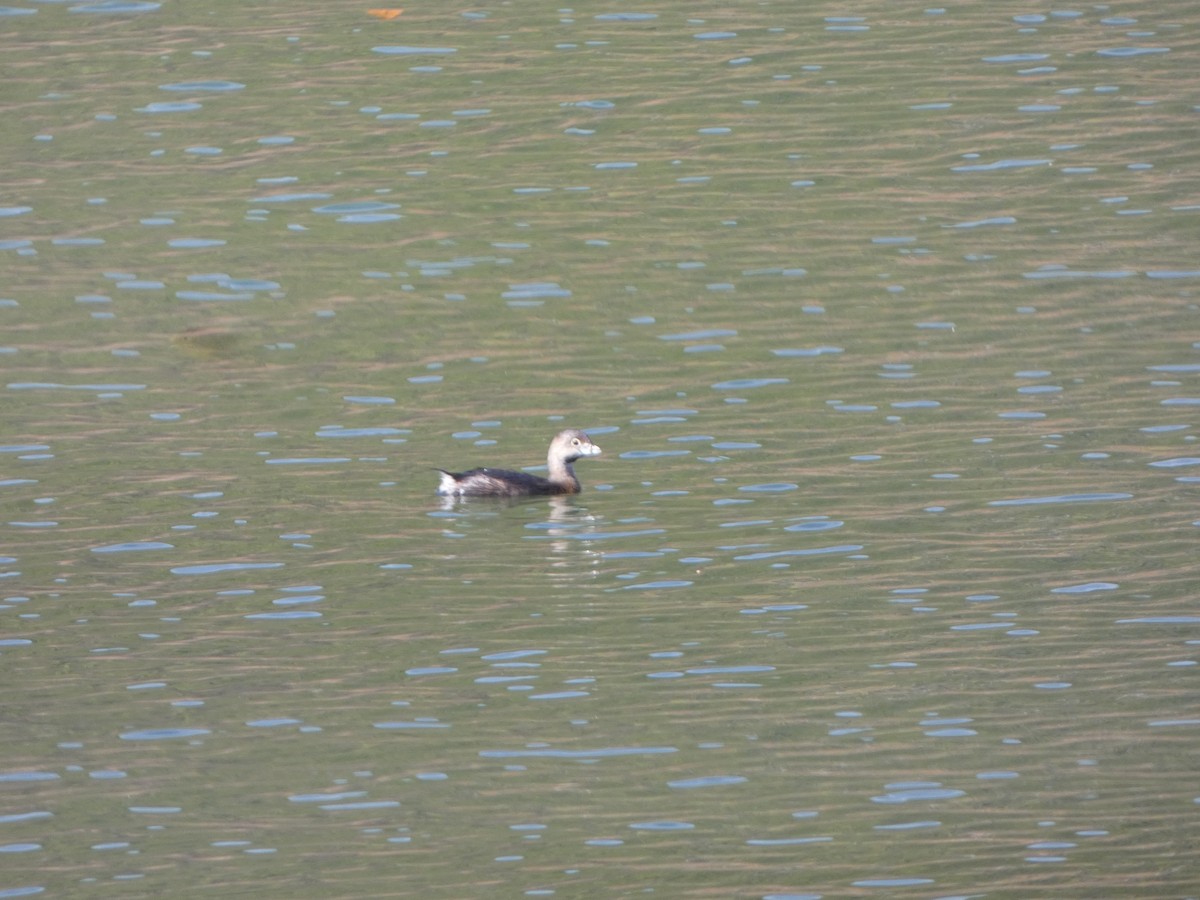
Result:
x=883 y=586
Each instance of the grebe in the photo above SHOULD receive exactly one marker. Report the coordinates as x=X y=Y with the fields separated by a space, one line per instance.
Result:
x=566 y=447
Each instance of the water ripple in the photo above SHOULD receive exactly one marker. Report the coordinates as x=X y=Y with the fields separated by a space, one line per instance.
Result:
x=402 y=50
x=193 y=86
x=707 y=781
x=115 y=6
x=816 y=551
x=1063 y=498
x=163 y=734
x=599 y=753
x=1002 y=164
x=211 y=568
x=1087 y=588
x=133 y=546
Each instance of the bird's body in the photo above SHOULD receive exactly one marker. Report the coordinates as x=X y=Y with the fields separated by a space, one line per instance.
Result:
x=567 y=447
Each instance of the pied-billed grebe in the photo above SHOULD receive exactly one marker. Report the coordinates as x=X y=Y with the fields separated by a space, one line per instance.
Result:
x=566 y=447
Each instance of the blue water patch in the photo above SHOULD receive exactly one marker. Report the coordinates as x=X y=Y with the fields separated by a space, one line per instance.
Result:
x=1002 y=164
x=1122 y=52
x=1173 y=273
x=729 y=670
x=821 y=524
x=401 y=50
x=738 y=384
x=364 y=212
x=28 y=776
x=292 y=198
x=337 y=431
x=1060 y=271
x=1175 y=367
x=213 y=296
x=707 y=781
x=626 y=17
x=364 y=804
x=655 y=585
x=979 y=223
x=114 y=6
x=1176 y=462
x=302 y=598
x=168 y=107
x=326 y=798
x=600 y=753
x=307 y=460
x=1016 y=57
x=78 y=242
x=816 y=551
x=1086 y=588
x=706 y=334
x=774 y=487
x=236 y=284
x=535 y=290
x=46 y=385
x=909 y=826
x=508 y=655
x=163 y=734
x=808 y=351
x=194 y=86
x=371 y=401
x=212 y=568
x=907 y=792
x=195 y=243
x=133 y=547
x=1063 y=498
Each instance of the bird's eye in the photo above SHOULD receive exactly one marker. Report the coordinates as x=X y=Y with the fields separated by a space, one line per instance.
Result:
x=575 y=441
